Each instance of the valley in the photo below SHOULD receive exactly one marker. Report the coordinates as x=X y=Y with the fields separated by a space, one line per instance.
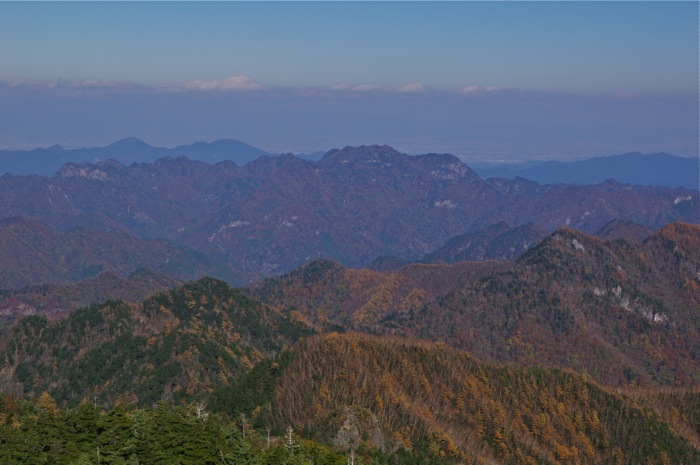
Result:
x=386 y=308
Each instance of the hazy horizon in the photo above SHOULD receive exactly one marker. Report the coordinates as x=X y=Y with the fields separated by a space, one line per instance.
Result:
x=508 y=81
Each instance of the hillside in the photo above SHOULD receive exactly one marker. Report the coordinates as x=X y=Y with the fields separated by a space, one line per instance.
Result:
x=356 y=204
x=338 y=399
x=332 y=296
x=504 y=242
x=618 y=229
x=32 y=254
x=624 y=313
x=392 y=393
x=176 y=346
x=58 y=300
x=380 y=399
x=497 y=242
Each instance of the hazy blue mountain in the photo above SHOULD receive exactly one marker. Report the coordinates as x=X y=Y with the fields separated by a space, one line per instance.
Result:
x=354 y=205
x=313 y=156
x=47 y=161
x=656 y=169
x=225 y=149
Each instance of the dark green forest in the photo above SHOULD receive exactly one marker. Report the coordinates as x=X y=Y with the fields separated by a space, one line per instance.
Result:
x=38 y=432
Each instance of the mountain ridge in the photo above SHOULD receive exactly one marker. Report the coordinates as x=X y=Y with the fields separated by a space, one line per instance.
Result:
x=598 y=300
x=661 y=169
x=411 y=386
x=33 y=253
x=59 y=300
x=433 y=397
x=173 y=346
x=47 y=161
x=358 y=203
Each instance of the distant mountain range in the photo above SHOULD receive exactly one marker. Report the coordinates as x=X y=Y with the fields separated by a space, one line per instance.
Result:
x=394 y=308
x=278 y=212
x=656 y=169
x=47 y=161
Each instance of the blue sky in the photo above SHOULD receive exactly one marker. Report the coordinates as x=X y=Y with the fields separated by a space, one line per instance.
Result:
x=479 y=79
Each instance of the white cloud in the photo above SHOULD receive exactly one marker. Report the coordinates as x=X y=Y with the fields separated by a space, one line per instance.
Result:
x=80 y=84
x=415 y=87
x=478 y=89
x=367 y=88
x=229 y=84
x=359 y=88
x=94 y=83
x=470 y=89
x=407 y=88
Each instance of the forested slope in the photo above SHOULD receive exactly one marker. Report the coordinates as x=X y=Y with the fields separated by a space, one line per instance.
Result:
x=175 y=346
x=388 y=393
x=625 y=313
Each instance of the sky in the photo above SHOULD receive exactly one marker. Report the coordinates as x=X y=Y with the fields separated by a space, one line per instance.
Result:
x=483 y=80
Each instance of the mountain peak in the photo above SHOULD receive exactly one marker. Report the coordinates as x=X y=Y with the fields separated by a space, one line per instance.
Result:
x=362 y=153
x=129 y=143
x=564 y=239
x=85 y=170
x=55 y=148
x=111 y=163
